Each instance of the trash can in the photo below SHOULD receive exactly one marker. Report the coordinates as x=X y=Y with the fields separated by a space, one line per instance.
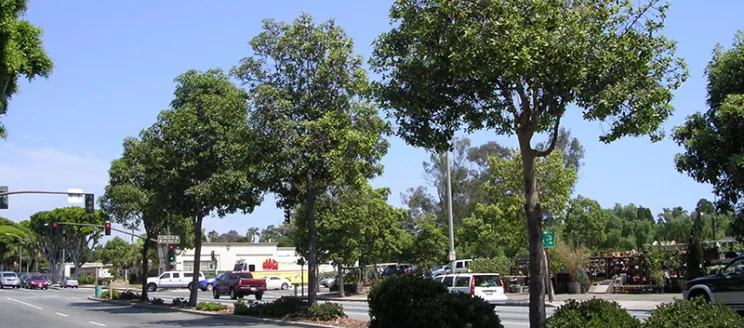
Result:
x=98 y=291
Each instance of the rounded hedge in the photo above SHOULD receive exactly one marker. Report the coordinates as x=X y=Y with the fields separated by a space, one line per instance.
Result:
x=695 y=313
x=594 y=313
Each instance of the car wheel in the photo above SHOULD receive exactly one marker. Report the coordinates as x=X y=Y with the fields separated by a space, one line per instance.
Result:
x=233 y=294
x=152 y=287
x=209 y=287
x=285 y=286
x=259 y=296
x=190 y=286
x=215 y=294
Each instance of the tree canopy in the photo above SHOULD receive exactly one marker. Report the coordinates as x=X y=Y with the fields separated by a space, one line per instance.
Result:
x=22 y=53
x=516 y=67
x=307 y=95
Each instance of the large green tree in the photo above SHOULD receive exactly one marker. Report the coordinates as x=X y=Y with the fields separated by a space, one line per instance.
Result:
x=22 y=53
x=585 y=222
x=712 y=140
x=119 y=254
x=12 y=235
x=307 y=94
x=200 y=152
x=75 y=242
x=516 y=67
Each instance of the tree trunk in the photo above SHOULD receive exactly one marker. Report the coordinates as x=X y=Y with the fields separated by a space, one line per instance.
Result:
x=145 y=268
x=534 y=234
x=312 y=256
x=197 y=259
x=340 y=281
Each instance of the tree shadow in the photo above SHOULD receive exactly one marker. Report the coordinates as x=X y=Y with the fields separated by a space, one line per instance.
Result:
x=117 y=308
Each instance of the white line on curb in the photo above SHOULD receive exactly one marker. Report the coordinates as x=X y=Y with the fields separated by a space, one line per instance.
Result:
x=24 y=303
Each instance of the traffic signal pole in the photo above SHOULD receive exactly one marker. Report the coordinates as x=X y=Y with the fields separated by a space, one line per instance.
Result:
x=104 y=226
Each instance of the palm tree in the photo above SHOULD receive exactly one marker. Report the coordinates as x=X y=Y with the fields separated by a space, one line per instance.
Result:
x=252 y=233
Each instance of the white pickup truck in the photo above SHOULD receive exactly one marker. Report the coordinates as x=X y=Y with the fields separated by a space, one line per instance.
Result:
x=172 y=279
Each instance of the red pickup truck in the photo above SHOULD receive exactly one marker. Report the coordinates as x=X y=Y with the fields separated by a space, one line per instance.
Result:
x=238 y=284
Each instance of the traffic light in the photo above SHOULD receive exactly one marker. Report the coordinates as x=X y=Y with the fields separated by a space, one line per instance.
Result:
x=287 y=215
x=55 y=228
x=107 y=229
x=171 y=253
x=213 y=257
x=4 y=198
x=89 y=204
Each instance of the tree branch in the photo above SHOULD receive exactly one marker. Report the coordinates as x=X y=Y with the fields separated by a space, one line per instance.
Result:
x=553 y=140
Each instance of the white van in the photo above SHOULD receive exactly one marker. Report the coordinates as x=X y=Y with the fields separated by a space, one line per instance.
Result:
x=487 y=286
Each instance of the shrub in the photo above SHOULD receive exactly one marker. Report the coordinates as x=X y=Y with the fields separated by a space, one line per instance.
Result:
x=128 y=295
x=395 y=300
x=157 y=301
x=325 y=311
x=107 y=295
x=409 y=301
x=695 y=313
x=86 y=279
x=497 y=264
x=211 y=307
x=178 y=301
x=241 y=307
x=594 y=313
x=285 y=306
x=582 y=278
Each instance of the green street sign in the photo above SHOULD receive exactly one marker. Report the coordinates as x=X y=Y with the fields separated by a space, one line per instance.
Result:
x=548 y=239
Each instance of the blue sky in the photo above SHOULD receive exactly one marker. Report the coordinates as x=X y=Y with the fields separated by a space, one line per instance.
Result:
x=115 y=62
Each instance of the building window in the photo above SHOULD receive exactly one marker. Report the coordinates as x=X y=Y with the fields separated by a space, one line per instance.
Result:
x=189 y=265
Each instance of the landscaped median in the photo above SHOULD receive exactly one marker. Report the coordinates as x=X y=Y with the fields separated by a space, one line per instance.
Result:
x=285 y=310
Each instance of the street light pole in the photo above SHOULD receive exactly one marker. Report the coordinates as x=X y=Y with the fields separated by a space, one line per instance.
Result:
x=452 y=255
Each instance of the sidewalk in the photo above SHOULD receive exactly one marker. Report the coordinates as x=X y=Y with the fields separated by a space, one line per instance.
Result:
x=632 y=302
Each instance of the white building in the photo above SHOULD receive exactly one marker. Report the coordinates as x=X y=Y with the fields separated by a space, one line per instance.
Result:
x=254 y=254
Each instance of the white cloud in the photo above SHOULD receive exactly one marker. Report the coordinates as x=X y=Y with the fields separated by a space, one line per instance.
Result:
x=47 y=169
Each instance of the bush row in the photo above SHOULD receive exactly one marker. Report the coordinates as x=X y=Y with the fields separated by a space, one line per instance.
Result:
x=124 y=296
x=211 y=307
x=596 y=313
x=411 y=302
x=290 y=307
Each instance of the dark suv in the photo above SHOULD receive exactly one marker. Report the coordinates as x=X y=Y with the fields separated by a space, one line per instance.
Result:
x=725 y=287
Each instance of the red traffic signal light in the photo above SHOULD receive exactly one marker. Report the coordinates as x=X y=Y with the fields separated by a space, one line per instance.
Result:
x=107 y=230
x=55 y=226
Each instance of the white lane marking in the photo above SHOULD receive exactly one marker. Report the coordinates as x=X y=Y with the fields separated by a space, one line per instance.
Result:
x=61 y=314
x=96 y=323
x=24 y=303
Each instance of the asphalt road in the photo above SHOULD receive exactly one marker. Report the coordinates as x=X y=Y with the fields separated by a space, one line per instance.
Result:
x=20 y=308
x=17 y=304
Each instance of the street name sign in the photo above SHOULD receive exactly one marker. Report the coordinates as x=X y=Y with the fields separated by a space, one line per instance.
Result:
x=169 y=239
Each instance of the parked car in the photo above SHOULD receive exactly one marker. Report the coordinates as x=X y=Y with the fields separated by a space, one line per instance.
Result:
x=725 y=287
x=328 y=281
x=397 y=269
x=172 y=279
x=208 y=284
x=274 y=282
x=36 y=281
x=9 y=279
x=237 y=284
x=69 y=282
x=487 y=286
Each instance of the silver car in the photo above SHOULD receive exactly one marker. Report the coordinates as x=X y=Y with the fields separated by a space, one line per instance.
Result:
x=10 y=279
x=69 y=282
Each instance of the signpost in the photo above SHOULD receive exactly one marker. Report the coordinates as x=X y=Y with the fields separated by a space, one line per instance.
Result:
x=169 y=239
x=3 y=198
x=548 y=239
x=75 y=196
x=452 y=256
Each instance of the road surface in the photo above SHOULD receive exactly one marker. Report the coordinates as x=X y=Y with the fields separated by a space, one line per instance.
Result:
x=20 y=306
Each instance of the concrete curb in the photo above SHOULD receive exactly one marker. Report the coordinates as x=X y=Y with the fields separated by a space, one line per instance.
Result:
x=216 y=315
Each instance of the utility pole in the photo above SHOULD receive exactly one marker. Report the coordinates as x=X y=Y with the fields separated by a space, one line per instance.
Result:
x=452 y=255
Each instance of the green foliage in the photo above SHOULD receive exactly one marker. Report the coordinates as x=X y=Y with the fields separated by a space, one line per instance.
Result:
x=695 y=255
x=306 y=90
x=107 y=295
x=120 y=254
x=585 y=222
x=582 y=278
x=695 y=313
x=22 y=52
x=712 y=139
x=409 y=301
x=211 y=307
x=325 y=311
x=594 y=313
x=430 y=243
x=498 y=264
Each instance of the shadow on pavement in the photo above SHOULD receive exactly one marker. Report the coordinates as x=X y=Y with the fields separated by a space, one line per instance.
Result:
x=214 y=322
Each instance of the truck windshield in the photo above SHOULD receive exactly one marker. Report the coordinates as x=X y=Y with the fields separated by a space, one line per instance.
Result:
x=242 y=275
